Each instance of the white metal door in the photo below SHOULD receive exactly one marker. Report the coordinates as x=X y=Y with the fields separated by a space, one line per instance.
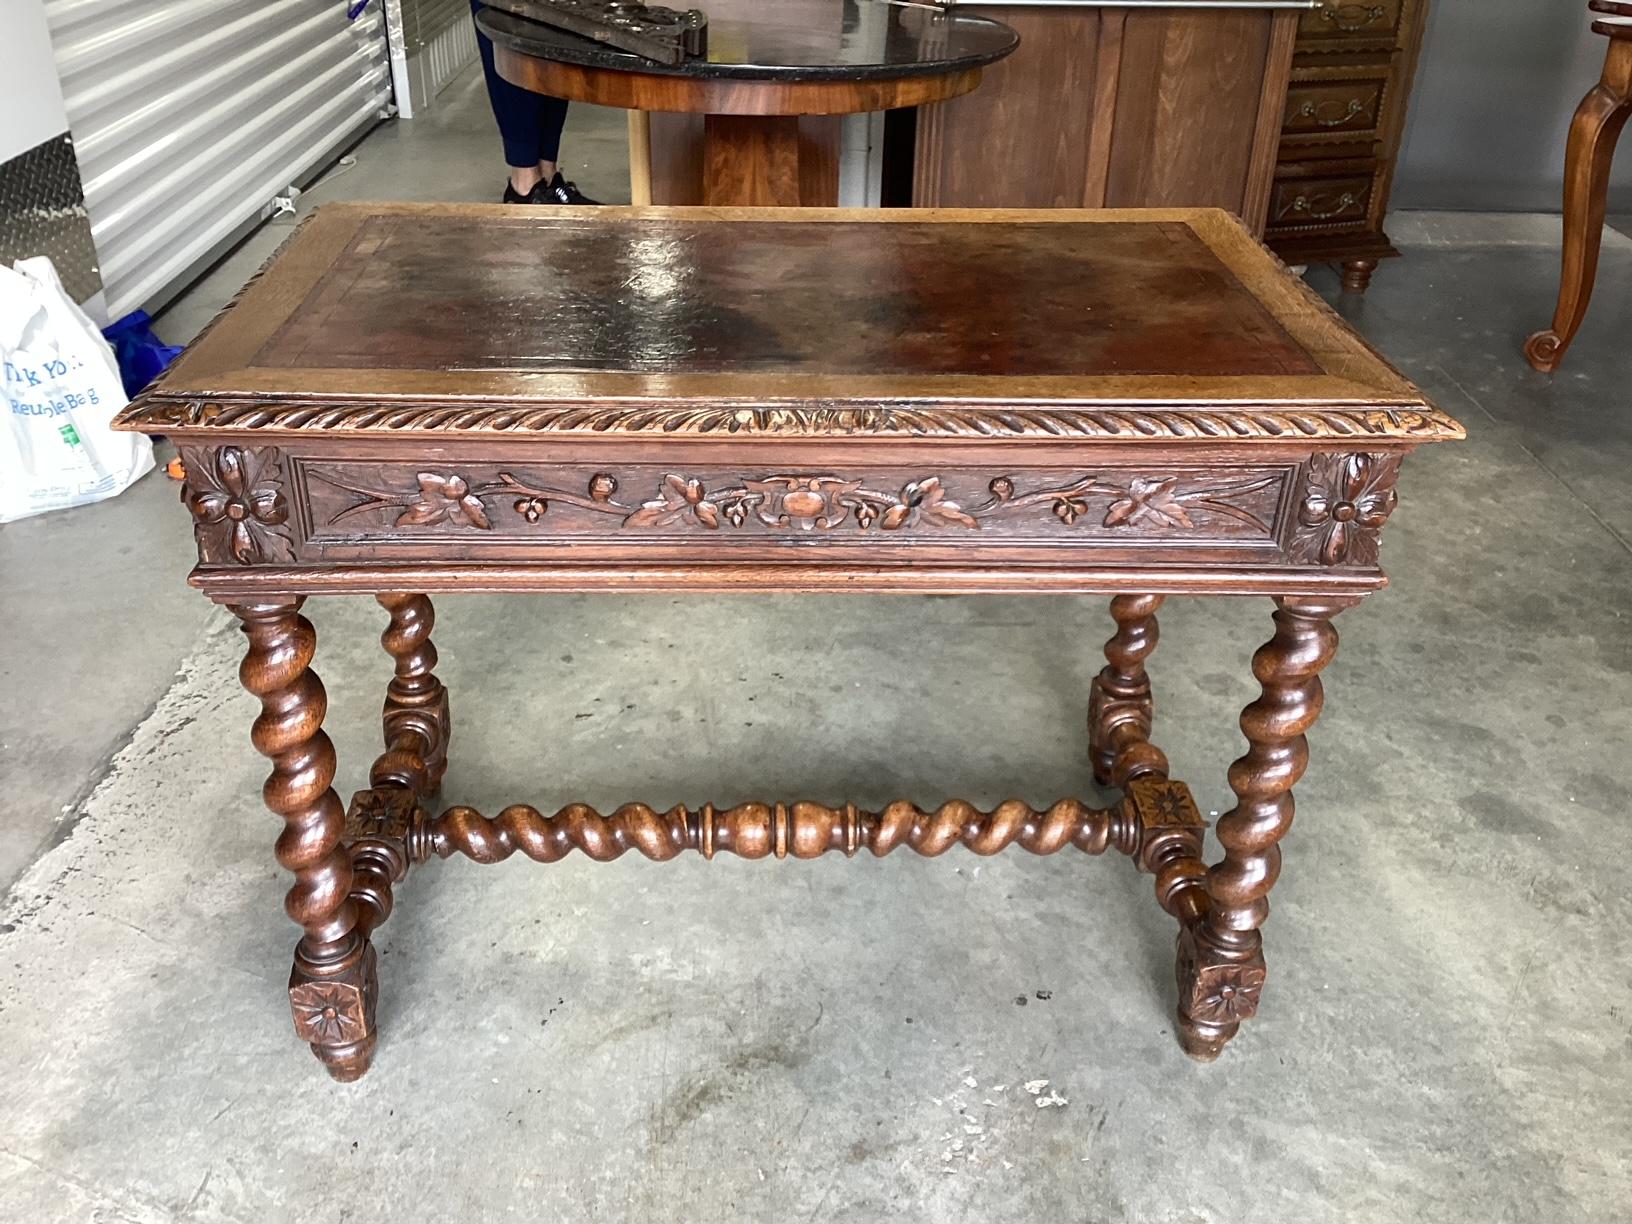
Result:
x=188 y=116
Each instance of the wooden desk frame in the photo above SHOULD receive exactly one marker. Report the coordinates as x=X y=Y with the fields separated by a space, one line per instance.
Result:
x=1145 y=488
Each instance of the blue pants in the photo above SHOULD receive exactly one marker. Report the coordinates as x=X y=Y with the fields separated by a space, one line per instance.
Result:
x=529 y=123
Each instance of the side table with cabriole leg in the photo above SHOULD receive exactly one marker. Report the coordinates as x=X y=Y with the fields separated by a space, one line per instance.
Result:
x=1593 y=135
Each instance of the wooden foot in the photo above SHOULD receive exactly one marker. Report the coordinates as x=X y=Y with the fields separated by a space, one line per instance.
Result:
x=332 y=987
x=1591 y=150
x=1220 y=957
x=1121 y=708
x=417 y=720
x=1357 y=274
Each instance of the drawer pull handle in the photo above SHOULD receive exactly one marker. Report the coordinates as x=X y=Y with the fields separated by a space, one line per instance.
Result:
x=1304 y=206
x=1312 y=110
x=1352 y=17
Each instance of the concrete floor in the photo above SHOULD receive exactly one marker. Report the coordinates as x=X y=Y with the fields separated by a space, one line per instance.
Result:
x=1447 y=1036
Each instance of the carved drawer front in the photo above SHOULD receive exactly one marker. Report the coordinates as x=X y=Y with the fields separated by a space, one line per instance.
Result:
x=1351 y=20
x=1320 y=203
x=356 y=509
x=1345 y=108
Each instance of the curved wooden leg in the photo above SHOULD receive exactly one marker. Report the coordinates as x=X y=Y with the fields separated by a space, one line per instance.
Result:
x=1593 y=133
x=1357 y=274
x=1221 y=960
x=1121 y=709
x=333 y=987
x=417 y=720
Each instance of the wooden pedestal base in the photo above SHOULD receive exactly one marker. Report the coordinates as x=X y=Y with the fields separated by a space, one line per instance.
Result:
x=347 y=867
x=768 y=160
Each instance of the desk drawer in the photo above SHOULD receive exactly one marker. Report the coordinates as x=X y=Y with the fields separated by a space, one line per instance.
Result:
x=354 y=509
x=1341 y=202
x=1360 y=22
x=1344 y=109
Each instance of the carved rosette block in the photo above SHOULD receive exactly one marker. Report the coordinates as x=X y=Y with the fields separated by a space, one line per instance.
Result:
x=1215 y=995
x=1345 y=501
x=1171 y=830
x=236 y=497
x=385 y=836
x=334 y=1014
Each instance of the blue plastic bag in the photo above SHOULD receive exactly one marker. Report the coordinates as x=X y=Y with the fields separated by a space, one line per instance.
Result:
x=142 y=355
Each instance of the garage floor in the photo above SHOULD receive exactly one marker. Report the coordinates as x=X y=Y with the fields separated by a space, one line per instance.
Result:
x=1448 y=1031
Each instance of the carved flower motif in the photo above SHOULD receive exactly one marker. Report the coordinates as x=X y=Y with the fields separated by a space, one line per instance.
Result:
x=1346 y=501
x=602 y=486
x=1148 y=499
x=1219 y=992
x=532 y=508
x=444 y=499
x=1226 y=998
x=327 y=1013
x=236 y=499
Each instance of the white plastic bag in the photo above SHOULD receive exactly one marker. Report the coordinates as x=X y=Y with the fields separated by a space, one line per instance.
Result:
x=61 y=389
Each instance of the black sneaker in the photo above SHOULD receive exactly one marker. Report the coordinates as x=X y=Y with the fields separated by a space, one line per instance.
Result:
x=557 y=191
x=560 y=191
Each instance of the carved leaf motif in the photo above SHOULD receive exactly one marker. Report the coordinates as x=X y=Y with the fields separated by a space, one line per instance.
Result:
x=1149 y=499
x=932 y=502
x=677 y=499
x=442 y=499
x=422 y=514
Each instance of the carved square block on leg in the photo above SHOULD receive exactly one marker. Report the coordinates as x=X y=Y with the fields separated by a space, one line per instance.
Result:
x=1216 y=992
x=335 y=1015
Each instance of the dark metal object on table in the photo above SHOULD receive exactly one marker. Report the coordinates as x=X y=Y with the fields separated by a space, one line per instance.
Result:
x=662 y=35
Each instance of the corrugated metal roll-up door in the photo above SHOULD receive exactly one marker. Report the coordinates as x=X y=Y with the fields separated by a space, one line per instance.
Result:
x=189 y=116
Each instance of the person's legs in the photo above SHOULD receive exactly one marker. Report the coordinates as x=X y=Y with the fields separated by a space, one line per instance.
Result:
x=529 y=124
x=552 y=117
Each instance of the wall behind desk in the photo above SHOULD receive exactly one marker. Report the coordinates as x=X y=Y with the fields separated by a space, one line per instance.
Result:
x=1496 y=86
x=42 y=202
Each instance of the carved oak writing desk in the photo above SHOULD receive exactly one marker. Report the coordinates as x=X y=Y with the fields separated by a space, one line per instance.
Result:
x=413 y=399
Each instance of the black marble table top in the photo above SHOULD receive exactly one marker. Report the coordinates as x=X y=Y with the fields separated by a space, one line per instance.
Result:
x=789 y=40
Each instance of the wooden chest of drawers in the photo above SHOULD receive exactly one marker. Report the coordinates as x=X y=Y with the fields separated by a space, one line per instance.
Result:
x=1340 y=134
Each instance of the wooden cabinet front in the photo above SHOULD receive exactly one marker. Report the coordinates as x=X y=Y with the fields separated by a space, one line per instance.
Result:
x=1116 y=107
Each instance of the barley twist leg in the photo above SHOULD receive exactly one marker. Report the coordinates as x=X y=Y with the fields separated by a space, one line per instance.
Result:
x=1221 y=961
x=417 y=720
x=332 y=987
x=1121 y=708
